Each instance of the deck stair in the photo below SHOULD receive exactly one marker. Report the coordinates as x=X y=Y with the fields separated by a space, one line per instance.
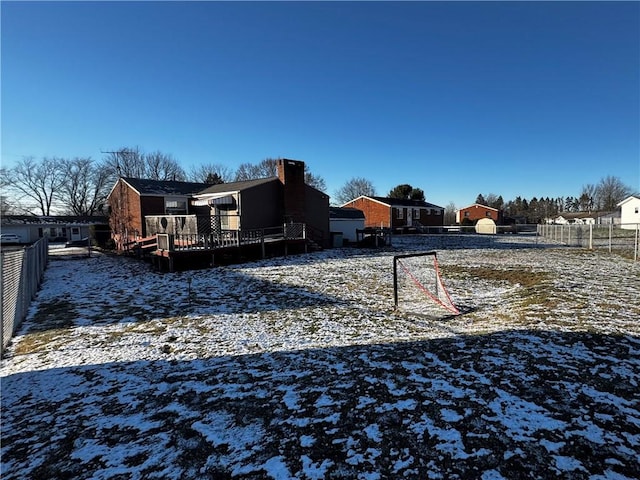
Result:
x=142 y=246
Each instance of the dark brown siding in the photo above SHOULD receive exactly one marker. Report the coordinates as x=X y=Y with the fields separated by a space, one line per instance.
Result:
x=431 y=217
x=261 y=206
x=150 y=206
x=291 y=174
x=317 y=216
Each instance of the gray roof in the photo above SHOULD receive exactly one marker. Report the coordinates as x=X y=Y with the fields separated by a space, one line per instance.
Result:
x=54 y=220
x=345 y=212
x=164 y=187
x=403 y=202
x=235 y=186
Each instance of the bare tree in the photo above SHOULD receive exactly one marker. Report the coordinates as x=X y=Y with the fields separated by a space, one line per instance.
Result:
x=450 y=214
x=265 y=169
x=246 y=171
x=132 y=162
x=37 y=181
x=125 y=162
x=85 y=186
x=315 y=181
x=609 y=192
x=354 y=188
x=209 y=172
x=269 y=168
x=160 y=166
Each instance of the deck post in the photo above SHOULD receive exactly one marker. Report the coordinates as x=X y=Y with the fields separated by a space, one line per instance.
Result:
x=264 y=252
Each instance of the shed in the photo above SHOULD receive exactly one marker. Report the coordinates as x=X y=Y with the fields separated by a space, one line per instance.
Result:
x=346 y=221
x=486 y=226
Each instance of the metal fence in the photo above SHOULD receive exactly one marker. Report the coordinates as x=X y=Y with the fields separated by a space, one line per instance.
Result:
x=621 y=238
x=22 y=272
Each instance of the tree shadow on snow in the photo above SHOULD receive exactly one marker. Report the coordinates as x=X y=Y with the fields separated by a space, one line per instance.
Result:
x=513 y=404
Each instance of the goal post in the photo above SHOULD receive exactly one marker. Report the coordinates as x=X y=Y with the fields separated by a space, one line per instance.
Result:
x=416 y=278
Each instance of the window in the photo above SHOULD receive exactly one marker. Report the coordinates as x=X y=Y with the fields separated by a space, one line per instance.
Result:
x=175 y=206
x=399 y=213
x=466 y=214
x=636 y=209
x=416 y=213
x=488 y=214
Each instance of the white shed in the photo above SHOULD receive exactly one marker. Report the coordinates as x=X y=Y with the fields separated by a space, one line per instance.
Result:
x=630 y=212
x=486 y=226
x=345 y=222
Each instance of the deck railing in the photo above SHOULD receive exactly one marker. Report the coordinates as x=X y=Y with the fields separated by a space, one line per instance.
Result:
x=229 y=238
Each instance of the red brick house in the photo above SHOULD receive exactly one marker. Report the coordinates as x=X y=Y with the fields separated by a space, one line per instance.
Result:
x=398 y=214
x=141 y=208
x=133 y=199
x=475 y=212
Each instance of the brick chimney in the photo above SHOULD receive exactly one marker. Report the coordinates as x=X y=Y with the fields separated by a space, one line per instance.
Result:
x=291 y=174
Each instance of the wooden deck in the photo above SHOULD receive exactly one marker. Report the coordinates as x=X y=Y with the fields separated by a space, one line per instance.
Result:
x=171 y=252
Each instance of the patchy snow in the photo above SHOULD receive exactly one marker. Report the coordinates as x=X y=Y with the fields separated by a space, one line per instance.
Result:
x=300 y=367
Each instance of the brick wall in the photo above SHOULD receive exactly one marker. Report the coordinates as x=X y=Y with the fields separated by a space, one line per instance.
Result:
x=375 y=214
x=476 y=212
x=291 y=174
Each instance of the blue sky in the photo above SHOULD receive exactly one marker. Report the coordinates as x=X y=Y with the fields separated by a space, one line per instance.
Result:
x=456 y=98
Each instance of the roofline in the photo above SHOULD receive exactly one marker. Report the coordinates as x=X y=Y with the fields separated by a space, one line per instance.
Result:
x=367 y=197
x=628 y=199
x=391 y=203
x=480 y=205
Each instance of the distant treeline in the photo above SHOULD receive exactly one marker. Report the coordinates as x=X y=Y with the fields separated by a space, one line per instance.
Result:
x=603 y=197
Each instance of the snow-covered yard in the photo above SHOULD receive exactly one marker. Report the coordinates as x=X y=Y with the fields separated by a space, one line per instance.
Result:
x=299 y=367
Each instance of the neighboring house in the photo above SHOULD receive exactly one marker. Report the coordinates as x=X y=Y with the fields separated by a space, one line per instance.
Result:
x=630 y=212
x=475 y=212
x=585 y=218
x=141 y=208
x=346 y=222
x=575 y=218
x=61 y=228
x=608 y=218
x=396 y=213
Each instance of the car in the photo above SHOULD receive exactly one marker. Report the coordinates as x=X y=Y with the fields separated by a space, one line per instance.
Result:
x=9 y=238
x=83 y=242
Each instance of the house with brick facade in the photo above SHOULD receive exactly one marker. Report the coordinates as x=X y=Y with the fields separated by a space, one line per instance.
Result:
x=475 y=212
x=131 y=200
x=398 y=214
x=144 y=208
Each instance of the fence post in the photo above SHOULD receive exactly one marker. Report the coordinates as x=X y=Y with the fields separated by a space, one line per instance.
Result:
x=610 y=235
x=590 y=237
x=635 y=250
x=2 y=306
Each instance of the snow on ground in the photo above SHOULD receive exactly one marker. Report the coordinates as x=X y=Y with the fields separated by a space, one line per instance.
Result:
x=300 y=367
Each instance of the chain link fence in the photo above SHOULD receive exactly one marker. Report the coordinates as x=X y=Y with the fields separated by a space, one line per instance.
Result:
x=22 y=272
x=620 y=238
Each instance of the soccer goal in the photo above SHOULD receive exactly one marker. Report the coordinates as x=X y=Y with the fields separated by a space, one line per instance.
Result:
x=417 y=285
